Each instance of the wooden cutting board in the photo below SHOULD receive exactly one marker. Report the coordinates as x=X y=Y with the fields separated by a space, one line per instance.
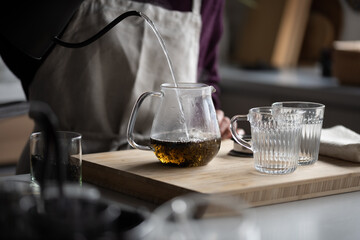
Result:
x=138 y=173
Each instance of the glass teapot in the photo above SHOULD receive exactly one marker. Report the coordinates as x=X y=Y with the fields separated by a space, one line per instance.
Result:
x=185 y=131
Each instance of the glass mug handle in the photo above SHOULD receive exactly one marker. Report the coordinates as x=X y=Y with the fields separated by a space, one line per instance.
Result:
x=233 y=129
x=132 y=120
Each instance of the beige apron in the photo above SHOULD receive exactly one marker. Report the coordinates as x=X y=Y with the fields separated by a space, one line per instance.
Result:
x=93 y=89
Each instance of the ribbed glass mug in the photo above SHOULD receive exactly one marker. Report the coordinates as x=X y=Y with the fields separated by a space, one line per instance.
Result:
x=313 y=120
x=275 y=138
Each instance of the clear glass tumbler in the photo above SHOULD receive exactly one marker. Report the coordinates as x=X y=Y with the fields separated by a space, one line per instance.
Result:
x=311 y=132
x=275 y=138
x=70 y=143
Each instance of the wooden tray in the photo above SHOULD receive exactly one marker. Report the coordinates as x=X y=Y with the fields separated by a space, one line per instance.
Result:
x=139 y=174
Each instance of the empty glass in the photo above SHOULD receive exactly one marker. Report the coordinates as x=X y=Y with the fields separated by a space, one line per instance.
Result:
x=313 y=120
x=70 y=143
x=275 y=138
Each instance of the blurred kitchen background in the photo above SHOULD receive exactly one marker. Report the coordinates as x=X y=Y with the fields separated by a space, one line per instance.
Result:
x=271 y=50
x=307 y=50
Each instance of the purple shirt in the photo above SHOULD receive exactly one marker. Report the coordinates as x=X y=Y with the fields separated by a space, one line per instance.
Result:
x=212 y=28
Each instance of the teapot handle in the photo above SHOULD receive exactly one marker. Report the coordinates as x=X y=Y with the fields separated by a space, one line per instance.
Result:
x=132 y=120
x=233 y=129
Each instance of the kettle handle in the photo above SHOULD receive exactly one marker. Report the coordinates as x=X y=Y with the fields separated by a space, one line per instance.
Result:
x=132 y=120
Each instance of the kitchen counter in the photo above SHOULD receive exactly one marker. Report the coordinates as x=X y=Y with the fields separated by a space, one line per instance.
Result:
x=331 y=217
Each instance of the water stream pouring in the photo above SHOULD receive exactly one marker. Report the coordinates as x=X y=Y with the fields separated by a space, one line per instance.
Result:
x=113 y=24
x=158 y=36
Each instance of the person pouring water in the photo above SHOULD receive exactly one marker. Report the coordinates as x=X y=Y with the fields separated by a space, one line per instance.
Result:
x=92 y=89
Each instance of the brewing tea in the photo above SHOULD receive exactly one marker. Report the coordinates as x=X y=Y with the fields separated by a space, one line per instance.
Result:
x=190 y=153
x=184 y=136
